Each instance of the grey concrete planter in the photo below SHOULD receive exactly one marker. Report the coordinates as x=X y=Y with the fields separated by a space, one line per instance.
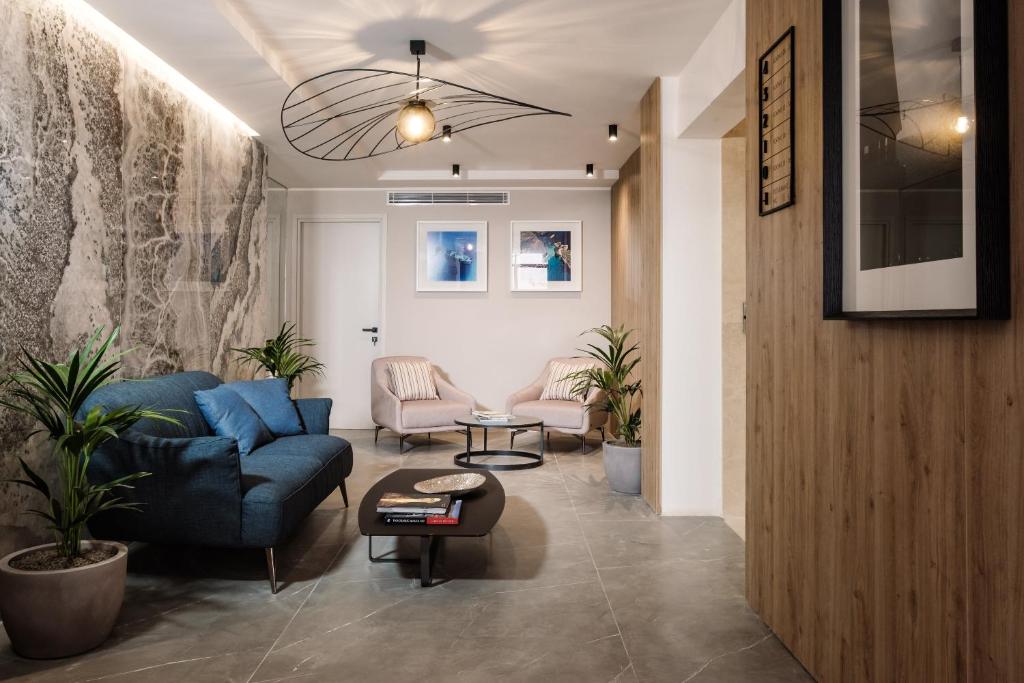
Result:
x=64 y=612
x=622 y=467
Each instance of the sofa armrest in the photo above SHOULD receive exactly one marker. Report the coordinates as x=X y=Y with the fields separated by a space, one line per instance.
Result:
x=530 y=393
x=315 y=414
x=193 y=493
x=448 y=392
x=594 y=414
x=385 y=408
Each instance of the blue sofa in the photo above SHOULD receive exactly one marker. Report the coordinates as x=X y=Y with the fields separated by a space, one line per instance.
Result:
x=201 y=491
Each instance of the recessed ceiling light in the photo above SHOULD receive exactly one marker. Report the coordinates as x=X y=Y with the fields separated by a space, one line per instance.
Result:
x=456 y=171
x=446 y=134
x=590 y=170
x=613 y=132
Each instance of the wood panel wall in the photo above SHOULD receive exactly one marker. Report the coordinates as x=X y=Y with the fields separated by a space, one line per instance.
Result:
x=885 y=510
x=636 y=275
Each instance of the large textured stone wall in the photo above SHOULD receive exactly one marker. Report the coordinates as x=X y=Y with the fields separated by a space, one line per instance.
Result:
x=121 y=202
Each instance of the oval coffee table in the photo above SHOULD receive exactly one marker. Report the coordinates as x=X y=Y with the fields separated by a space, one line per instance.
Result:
x=481 y=509
x=532 y=459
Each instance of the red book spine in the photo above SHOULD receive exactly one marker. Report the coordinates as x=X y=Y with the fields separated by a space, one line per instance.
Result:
x=441 y=520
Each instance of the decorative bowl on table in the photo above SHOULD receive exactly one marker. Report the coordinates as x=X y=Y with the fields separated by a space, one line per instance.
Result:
x=453 y=484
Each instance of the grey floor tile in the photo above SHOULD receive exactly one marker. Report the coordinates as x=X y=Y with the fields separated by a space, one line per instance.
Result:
x=575 y=583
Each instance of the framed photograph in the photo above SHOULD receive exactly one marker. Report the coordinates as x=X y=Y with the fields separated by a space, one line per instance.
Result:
x=916 y=166
x=451 y=256
x=547 y=256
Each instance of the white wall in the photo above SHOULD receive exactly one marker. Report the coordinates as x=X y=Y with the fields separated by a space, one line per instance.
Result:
x=691 y=366
x=712 y=96
x=490 y=343
x=699 y=105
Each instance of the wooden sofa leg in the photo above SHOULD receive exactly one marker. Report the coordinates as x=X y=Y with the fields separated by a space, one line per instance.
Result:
x=401 y=443
x=271 y=569
x=344 y=492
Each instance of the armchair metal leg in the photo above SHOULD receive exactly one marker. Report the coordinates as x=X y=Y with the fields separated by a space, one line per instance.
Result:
x=401 y=443
x=602 y=434
x=344 y=492
x=271 y=569
x=376 y=433
x=583 y=444
x=430 y=439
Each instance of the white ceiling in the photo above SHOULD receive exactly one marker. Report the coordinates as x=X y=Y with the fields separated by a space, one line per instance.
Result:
x=591 y=58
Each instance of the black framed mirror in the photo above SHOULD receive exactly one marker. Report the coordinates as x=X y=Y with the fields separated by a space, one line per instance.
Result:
x=916 y=159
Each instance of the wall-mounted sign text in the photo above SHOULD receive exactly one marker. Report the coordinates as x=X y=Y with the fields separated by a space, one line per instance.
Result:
x=775 y=68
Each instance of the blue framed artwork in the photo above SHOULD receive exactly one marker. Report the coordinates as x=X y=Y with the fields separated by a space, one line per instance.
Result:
x=451 y=256
x=547 y=256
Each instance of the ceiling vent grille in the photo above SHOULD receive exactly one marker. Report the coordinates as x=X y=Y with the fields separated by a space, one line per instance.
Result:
x=408 y=198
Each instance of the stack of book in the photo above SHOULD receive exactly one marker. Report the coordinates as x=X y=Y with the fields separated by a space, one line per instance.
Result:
x=492 y=417
x=419 y=508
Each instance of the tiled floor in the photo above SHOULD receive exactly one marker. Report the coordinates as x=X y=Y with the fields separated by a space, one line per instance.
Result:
x=574 y=584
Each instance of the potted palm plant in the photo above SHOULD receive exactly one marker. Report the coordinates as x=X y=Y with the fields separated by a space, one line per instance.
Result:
x=62 y=598
x=613 y=374
x=281 y=357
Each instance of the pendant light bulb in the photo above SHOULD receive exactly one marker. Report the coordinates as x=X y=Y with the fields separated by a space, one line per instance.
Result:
x=416 y=122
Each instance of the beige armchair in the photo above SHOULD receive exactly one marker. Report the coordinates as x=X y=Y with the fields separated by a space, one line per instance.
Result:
x=414 y=417
x=568 y=417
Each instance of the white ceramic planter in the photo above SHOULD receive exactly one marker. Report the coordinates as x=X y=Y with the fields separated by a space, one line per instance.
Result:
x=63 y=612
x=622 y=467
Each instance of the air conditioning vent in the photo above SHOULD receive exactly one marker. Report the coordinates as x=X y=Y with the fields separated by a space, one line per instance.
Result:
x=410 y=198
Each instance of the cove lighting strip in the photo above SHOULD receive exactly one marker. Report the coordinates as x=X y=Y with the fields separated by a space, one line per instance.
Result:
x=108 y=30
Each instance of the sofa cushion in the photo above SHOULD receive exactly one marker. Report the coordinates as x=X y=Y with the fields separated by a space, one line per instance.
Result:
x=561 y=385
x=272 y=402
x=435 y=413
x=170 y=392
x=287 y=479
x=564 y=414
x=412 y=380
x=229 y=415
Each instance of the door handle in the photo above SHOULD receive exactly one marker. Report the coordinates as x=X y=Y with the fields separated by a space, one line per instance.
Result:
x=370 y=329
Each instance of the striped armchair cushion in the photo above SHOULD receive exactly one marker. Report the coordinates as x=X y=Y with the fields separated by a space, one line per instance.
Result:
x=560 y=385
x=412 y=380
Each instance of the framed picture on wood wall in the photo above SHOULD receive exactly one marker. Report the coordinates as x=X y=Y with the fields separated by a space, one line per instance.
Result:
x=547 y=256
x=916 y=166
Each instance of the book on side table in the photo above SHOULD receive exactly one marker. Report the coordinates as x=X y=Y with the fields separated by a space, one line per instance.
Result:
x=492 y=417
x=451 y=517
x=419 y=508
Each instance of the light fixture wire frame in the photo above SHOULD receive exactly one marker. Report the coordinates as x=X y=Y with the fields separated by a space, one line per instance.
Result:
x=343 y=133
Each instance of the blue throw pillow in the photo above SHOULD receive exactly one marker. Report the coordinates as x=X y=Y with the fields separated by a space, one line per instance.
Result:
x=271 y=401
x=229 y=415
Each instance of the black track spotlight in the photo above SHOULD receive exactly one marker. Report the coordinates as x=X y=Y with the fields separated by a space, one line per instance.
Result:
x=590 y=170
x=456 y=171
x=613 y=132
x=446 y=133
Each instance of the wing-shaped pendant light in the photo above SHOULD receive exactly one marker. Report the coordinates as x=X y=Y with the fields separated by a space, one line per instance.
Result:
x=352 y=114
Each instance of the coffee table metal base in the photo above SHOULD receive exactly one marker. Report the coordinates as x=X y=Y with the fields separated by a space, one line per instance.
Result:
x=428 y=550
x=532 y=459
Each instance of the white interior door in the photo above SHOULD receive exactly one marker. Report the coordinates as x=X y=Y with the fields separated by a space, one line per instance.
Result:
x=339 y=299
